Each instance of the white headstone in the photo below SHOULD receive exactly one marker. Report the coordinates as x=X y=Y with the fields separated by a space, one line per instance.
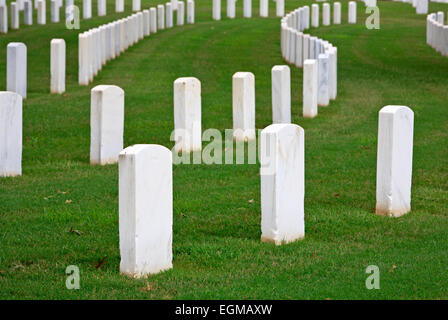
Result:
x=310 y=86
x=352 y=12
x=315 y=15
x=333 y=54
x=41 y=12
x=306 y=13
x=280 y=8
x=161 y=17
x=16 y=57
x=264 y=8
x=146 y=23
x=101 y=8
x=169 y=15
x=106 y=124
x=231 y=8
x=54 y=11
x=83 y=59
x=119 y=5
x=394 y=161
x=145 y=210
x=28 y=13
x=3 y=19
x=57 y=66
x=15 y=22
x=422 y=7
x=306 y=47
x=190 y=11
x=153 y=19
x=187 y=115
x=86 y=9
x=247 y=8
x=337 y=13
x=326 y=14
x=10 y=134
x=136 y=6
x=216 y=12
x=323 y=95
x=281 y=94
x=282 y=175
x=180 y=13
x=243 y=102
x=299 y=49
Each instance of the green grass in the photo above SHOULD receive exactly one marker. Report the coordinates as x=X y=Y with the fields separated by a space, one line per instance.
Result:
x=216 y=247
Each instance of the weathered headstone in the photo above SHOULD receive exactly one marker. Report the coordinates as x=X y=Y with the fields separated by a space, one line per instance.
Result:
x=282 y=173
x=310 y=87
x=243 y=102
x=106 y=124
x=57 y=66
x=281 y=94
x=187 y=115
x=145 y=210
x=16 y=56
x=394 y=161
x=10 y=134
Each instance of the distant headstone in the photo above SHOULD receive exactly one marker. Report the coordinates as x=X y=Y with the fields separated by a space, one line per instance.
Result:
x=16 y=56
x=281 y=94
x=310 y=88
x=243 y=102
x=57 y=66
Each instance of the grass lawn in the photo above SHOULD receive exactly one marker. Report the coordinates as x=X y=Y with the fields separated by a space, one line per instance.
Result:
x=217 y=252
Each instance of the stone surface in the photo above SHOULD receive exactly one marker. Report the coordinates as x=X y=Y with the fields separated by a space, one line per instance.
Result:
x=394 y=161
x=10 y=134
x=169 y=15
x=146 y=23
x=101 y=8
x=41 y=12
x=83 y=59
x=190 y=11
x=326 y=14
x=16 y=69
x=106 y=124
x=299 y=49
x=323 y=94
x=310 y=86
x=119 y=5
x=187 y=115
x=86 y=9
x=231 y=8
x=264 y=8
x=3 y=19
x=160 y=17
x=243 y=102
x=282 y=175
x=247 y=8
x=422 y=7
x=54 y=11
x=153 y=19
x=15 y=22
x=337 y=13
x=280 y=8
x=306 y=47
x=28 y=13
x=136 y=5
x=145 y=210
x=315 y=15
x=180 y=13
x=306 y=12
x=281 y=94
x=352 y=12
x=57 y=66
x=216 y=10
x=333 y=54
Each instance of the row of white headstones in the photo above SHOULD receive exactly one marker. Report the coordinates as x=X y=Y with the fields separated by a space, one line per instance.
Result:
x=99 y=45
x=247 y=8
x=421 y=6
x=437 y=32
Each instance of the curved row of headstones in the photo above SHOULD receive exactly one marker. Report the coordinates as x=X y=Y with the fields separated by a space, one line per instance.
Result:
x=437 y=32
x=247 y=8
x=99 y=45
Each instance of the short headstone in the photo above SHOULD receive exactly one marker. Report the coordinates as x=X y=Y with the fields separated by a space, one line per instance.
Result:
x=243 y=102
x=315 y=15
x=231 y=9
x=16 y=69
x=180 y=13
x=57 y=66
x=28 y=13
x=280 y=8
x=102 y=8
x=153 y=19
x=323 y=95
x=337 y=13
x=146 y=23
x=14 y=16
x=352 y=12
x=106 y=124
x=310 y=87
x=187 y=115
x=119 y=5
x=281 y=94
x=136 y=5
x=160 y=17
x=190 y=11
x=247 y=8
x=422 y=7
x=86 y=9
x=10 y=134
x=394 y=161
x=326 y=14
x=264 y=8
x=216 y=12
x=282 y=174
x=41 y=12
x=54 y=11
x=145 y=209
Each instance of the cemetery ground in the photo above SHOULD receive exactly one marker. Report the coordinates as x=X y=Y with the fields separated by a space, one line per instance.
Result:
x=64 y=211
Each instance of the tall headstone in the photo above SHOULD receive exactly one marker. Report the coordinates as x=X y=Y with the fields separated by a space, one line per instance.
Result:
x=106 y=124
x=10 y=134
x=280 y=8
x=243 y=102
x=86 y=9
x=54 y=11
x=315 y=15
x=83 y=59
x=3 y=18
x=145 y=209
x=16 y=56
x=28 y=13
x=247 y=8
x=190 y=11
x=169 y=15
x=323 y=95
x=299 y=49
x=352 y=12
x=394 y=161
x=337 y=13
x=119 y=5
x=326 y=14
x=41 y=12
x=146 y=23
x=153 y=19
x=216 y=14
x=306 y=14
x=180 y=13
x=264 y=8
x=310 y=87
x=333 y=54
x=102 y=8
x=14 y=16
x=160 y=17
x=281 y=94
x=282 y=174
x=231 y=9
x=57 y=66
x=187 y=115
